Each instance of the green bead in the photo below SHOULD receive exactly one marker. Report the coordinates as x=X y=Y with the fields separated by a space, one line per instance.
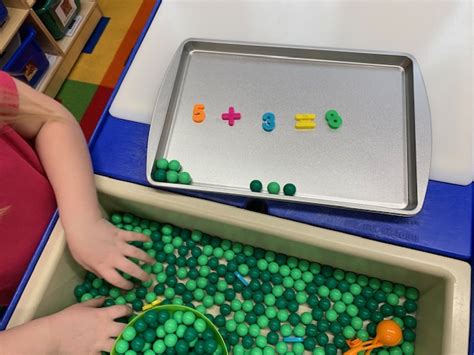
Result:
x=363 y=335
x=129 y=334
x=130 y=352
x=347 y=298
x=298 y=348
x=159 y=175
x=348 y=332
x=352 y=310
x=174 y=165
x=184 y=178
x=319 y=351
x=256 y=186
x=392 y=299
x=162 y=164
x=331 y=315
x=412 y=293
x=409 y=335
x=286 y=330
x=374 y=283
x=243 y=269
x=114 y=292
x=86 y=297
x=242 y=330
x=281 y=348
x=399 y=321
x=362 y=280
x=299 y=331
x=322 y=339
x=271 y=312
x=170 y=326
x=306 y=318
x=171 y=340
x=357 y=323
x=335 y=295
x=254 y=330
x=262 y=322
x=288 y=282
x=172 y=176
x=301 y=297
x=150 y=297
x=169 y=293
x=396 y=351
x=289 y=189
x=323 y=291
x=181 y=330
x=273 y=188
x=138 y=344
x=355 y=289
x=282 y=315
x=387 y=286
x=410 y=306
x=339 y=307
x=399 y=290
x=410 y=322
x=268 y=351
x=121 y=346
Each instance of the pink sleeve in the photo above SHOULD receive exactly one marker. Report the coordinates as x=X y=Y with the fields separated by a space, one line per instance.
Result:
x=9 y=99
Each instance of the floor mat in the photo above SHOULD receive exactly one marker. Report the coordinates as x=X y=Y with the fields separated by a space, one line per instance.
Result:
x=94 y=76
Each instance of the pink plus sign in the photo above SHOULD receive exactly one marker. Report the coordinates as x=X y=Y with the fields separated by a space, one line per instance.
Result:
x=231 y=116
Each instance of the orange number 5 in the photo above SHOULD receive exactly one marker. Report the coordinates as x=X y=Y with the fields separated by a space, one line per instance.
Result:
x=198 y=113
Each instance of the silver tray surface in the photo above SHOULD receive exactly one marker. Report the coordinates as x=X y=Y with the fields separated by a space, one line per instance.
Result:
x=377 y=160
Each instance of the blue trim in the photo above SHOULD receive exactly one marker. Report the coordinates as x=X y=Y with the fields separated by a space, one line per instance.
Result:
x=95 y=36
x=29 y=270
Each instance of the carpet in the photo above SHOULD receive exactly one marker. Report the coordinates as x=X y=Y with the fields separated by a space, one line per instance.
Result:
x=92 y=80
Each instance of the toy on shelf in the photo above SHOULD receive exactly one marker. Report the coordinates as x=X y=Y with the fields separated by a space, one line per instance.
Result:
x=389 y=333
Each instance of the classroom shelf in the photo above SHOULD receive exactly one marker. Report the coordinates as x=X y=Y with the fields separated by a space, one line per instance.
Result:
x=62 y=54
x=87 y=9
x=14 y=21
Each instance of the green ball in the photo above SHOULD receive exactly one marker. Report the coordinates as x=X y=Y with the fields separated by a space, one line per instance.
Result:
x=273 y=188
x=412 y=293
x=162 y=164
x=289 y=189
x=174 y=165
x=159 y=175
x=129 y=334
x=121 y=346
x=171 y=176
x=348 y=332
x=184 y=178
x=256 y=186
x=171 y=340
x=159 y=346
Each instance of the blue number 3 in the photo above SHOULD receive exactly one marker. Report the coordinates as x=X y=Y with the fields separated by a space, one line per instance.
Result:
x=268 y=124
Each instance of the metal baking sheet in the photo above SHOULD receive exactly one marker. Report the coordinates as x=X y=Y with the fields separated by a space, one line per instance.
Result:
x=378 y=160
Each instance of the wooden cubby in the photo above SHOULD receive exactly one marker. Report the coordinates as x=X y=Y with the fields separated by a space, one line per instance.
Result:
x=62 y=54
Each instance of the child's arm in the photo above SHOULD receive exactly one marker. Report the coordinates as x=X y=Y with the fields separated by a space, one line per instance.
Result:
x=79 y=329
x=95 y=243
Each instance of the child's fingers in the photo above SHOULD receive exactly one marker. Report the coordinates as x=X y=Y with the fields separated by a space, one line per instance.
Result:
x=134 y=252
x=115 y=329
x=117 y=311
x=132 y=269
x=135 y=237
x=115 y=279
x=107 y=345
x=94 y=303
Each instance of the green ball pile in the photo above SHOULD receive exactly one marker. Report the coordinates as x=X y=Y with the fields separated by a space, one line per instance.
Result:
x=170 y=172
x=168 y=331
x=285 y=296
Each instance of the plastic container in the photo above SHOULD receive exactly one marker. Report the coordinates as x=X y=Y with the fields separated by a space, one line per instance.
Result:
x=171 y=309
x=28 y=63
x=57 y=15
x=444 y=283
x=3 y=13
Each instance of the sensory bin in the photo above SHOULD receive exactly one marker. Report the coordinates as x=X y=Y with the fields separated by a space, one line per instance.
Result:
x=261 y=301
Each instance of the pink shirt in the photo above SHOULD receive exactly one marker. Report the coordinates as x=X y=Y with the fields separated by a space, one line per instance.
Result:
x=27 y=196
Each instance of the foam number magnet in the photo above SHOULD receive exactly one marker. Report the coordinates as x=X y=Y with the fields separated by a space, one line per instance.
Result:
x=268 y=124
x=305 y=121
x=199 y=115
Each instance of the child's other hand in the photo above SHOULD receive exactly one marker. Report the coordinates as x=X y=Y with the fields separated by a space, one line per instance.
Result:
x=86 y=329
x=104 y=250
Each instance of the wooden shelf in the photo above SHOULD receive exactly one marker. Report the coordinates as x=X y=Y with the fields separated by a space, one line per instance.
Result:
x=55 y=62
x=11 y=27
x=86 y=10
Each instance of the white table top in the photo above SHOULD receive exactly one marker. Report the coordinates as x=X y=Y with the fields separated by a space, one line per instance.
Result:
x=438 y=34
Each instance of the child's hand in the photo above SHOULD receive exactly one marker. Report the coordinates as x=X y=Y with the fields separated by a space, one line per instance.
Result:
x=103 y=249
x=79 y=329
x=86 y=329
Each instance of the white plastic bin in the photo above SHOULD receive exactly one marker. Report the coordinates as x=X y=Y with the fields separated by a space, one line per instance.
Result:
x=443 y=313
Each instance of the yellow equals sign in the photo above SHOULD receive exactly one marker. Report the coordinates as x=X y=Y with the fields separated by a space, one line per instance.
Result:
x=305 y=121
